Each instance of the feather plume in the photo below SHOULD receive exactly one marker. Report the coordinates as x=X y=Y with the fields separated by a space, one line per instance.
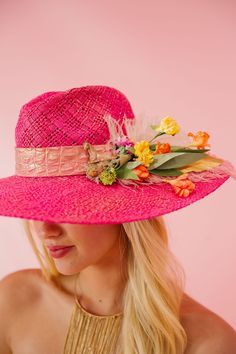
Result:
x=139 y=128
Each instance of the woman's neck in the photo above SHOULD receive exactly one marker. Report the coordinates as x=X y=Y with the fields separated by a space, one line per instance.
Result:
x=99 y=287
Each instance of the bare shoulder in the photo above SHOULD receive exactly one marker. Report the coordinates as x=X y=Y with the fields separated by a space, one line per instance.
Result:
x=206 y=331
x=21 y=288
x=17 y=291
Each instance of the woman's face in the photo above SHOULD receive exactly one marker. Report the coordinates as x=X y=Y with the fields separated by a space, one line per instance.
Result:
x=87 y=244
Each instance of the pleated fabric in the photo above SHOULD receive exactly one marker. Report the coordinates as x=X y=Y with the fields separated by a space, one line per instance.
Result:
x=92 y=334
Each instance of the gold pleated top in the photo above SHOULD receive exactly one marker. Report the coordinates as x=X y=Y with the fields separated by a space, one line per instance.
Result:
x=92 y=334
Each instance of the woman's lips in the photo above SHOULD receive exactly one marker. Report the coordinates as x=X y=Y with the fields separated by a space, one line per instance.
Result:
x=58 y=252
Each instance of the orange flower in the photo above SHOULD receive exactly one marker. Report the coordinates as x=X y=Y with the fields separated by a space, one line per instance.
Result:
x=200 y=139
x=141 y=171
x=162 y=148
x=182 y=185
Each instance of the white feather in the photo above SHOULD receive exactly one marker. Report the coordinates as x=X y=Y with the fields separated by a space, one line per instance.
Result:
x=139 y=129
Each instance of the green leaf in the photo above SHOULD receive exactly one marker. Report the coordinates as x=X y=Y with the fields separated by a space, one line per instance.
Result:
x=175 y=160
x=184 y=149
x=160 y=159
x=171 y=172
x=126 y=173
x=184 y=160
x=132 y=164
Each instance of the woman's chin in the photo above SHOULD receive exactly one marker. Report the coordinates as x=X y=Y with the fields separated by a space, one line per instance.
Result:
x=67 y=269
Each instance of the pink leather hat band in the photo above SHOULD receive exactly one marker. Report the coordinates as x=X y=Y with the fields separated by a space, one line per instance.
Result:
x=58 y=160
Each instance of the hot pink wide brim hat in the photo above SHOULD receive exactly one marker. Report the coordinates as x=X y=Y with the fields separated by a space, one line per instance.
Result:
x=69 y=118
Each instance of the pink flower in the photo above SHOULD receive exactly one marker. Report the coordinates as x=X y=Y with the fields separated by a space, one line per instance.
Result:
x=123 y=141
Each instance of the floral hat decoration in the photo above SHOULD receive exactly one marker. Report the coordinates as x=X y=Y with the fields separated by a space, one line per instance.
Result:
x=83 y=157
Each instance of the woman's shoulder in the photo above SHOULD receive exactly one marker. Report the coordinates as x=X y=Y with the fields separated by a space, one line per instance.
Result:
x=26 y=274
x=27 y=288
x=18 y=290
x=22 y=286
x=28 y=300
x=206 y=331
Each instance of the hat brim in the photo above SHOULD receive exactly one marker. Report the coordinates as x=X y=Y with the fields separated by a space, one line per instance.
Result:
x=77 y=200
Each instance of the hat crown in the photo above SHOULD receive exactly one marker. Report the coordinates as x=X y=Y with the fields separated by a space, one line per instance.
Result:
x=71 y=117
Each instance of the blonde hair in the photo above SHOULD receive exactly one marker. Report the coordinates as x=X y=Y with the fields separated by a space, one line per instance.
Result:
x=153 y=293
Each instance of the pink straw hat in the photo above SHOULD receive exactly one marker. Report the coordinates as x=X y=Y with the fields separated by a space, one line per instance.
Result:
x=78 y=160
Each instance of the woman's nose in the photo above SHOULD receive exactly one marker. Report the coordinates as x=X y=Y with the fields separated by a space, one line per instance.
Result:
x=45 y=230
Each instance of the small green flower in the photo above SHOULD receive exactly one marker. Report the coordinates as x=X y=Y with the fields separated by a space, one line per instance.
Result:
x=108 y=176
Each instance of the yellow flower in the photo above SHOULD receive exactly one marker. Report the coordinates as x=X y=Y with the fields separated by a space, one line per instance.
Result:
x=145 y=158
x=140 y=147
x=169 y=126
x=143 y=152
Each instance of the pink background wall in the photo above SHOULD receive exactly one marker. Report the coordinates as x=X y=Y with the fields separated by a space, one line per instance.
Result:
x=168 y=57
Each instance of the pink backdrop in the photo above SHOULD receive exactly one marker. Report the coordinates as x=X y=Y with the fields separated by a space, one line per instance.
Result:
x=168 y=57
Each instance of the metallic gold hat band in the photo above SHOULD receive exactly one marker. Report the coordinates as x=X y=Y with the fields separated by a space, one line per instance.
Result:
x=59 y=160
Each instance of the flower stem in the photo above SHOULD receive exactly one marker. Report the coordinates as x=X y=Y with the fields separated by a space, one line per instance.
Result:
x=158 y=134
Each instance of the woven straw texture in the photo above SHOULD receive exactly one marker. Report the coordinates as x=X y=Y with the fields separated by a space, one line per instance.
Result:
x=69 y=118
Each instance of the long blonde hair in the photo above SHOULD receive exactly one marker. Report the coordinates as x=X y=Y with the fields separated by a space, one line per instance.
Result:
x=153 y=293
